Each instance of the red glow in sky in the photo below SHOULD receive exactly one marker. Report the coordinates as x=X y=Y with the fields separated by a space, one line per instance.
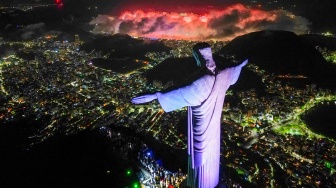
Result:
x=59 y=3
x=219 y=24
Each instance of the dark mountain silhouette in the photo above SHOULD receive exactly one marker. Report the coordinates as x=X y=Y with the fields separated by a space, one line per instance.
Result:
x=176 y=70
x=321 y=41
x=120 y=45
x=183 y=71
x=278 y=52
x=282 y=52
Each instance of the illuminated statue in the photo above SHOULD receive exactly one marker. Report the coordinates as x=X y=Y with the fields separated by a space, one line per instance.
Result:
x=205 y=99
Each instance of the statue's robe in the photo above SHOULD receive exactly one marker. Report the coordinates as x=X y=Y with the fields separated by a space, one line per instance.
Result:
x=205 y=99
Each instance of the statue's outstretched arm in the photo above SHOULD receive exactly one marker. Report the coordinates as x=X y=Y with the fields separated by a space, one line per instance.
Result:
x=243 y=63
x=235 y=71
x=144 y=98
x=190 y=95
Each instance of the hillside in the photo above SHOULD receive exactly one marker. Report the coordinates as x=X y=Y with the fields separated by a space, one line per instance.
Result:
x=182 y=71
x=282 y=52
x=176 y=70
x=122 y=46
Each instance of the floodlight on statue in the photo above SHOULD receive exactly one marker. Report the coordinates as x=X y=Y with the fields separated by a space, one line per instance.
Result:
x=204 y=99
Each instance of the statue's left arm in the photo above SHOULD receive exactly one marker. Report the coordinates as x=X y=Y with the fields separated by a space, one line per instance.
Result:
x=235 y=71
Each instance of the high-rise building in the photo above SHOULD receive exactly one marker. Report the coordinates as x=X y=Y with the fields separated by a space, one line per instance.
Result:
x=77 y=41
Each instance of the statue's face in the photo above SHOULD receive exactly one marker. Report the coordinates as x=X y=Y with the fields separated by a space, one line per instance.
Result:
x=207 y=55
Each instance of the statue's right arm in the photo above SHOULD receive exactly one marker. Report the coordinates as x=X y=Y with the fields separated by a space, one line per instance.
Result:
x=190 y=95
x=144 y=98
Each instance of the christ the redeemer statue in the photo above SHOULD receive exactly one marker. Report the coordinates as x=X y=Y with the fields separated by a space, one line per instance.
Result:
x=204 y=99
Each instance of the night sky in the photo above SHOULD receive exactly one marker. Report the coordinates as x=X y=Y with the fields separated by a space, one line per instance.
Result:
x=189 y=19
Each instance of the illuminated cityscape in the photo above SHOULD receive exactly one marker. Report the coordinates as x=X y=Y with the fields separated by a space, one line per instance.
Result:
x=56 y=85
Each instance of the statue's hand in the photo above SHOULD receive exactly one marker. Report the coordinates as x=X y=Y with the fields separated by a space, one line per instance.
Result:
x=244 y=63
x=144 y=99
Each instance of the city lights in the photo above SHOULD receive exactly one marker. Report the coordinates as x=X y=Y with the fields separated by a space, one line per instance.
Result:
x=72 y=67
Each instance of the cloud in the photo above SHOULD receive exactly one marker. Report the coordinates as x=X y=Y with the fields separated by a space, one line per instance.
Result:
x=287 y=21
x=8 y=26
x=31 y=27
x=222 y=24
x=104 y=24
x=37 y=30
x=28 y=35
x=32 y=30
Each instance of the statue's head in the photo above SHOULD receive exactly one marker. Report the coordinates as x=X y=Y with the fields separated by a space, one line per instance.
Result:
x=203 y=56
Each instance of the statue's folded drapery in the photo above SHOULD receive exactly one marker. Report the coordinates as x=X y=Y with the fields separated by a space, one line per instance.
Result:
x=204 y=98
